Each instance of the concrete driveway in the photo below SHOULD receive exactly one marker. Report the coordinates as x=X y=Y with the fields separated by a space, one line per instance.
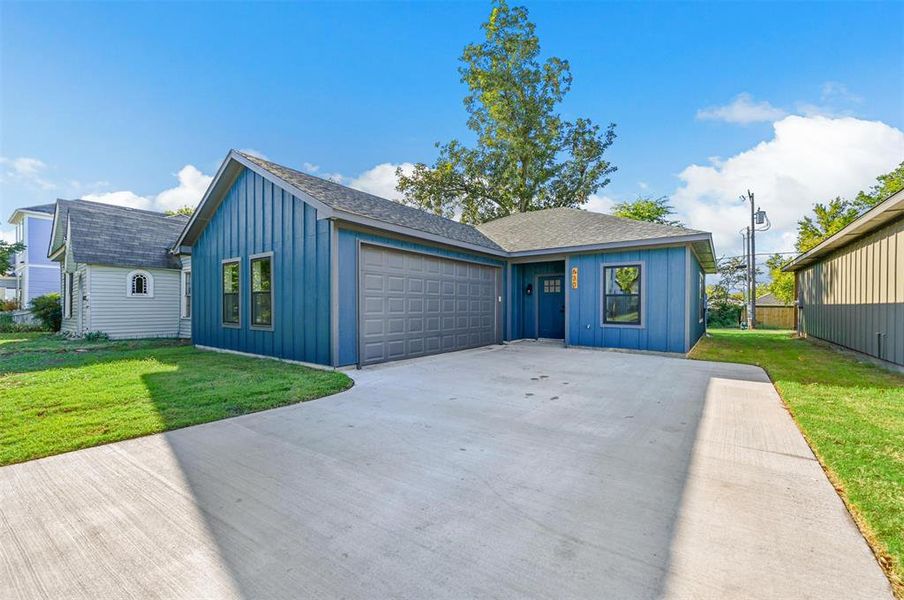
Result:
x=520 y=471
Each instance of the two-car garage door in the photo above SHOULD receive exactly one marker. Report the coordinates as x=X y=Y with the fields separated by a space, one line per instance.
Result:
x=413 y=304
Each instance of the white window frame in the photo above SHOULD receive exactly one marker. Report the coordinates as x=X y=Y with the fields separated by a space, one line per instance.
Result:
x=68 y=298
x=251 y=259
x=186 y=300
x=149 y=281
x=642 y=265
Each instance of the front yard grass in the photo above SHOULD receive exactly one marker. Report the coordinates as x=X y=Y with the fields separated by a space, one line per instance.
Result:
x=58 y=395
x=852 y=414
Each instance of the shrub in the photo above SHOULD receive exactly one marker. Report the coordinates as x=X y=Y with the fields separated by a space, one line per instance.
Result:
x=95 y=336
x=48 y=311
x=723 y=314
x=8 y=326
x=8 y=305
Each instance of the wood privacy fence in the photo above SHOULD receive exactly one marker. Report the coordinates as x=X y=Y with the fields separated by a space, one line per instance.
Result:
x=778 y=317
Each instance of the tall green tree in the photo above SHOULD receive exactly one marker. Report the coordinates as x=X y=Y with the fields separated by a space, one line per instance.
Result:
x=526 y=157
x=653 y=210
x=827 y=220
x=830 y=218
x=781 y=284
x=885 y=186
x=7 y=251
x=185 y=211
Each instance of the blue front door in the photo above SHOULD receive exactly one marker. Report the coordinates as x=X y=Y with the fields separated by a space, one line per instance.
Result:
x=551 y=307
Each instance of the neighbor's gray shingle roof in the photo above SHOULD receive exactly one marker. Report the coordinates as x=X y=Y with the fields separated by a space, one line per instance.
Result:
x=125 y=237
x=43 y=208
x=360 y=203
x=568 y=227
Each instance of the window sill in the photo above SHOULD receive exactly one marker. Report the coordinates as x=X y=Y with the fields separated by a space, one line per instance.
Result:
x=231 y=325
x=261 y=327
x=622 y=326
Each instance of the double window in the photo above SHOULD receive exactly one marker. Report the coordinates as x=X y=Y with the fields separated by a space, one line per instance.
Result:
x=622 y=301
x=231 y=302
x=261 y=296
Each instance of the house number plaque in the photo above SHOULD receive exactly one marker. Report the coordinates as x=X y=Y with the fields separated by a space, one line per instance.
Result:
x=574 y=278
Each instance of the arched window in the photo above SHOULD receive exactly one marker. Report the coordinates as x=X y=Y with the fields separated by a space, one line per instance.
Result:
x=140 y=284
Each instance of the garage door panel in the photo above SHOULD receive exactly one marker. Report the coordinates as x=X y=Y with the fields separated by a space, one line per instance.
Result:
x=412 y=305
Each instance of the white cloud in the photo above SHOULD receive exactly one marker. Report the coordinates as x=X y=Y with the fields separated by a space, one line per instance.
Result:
x=597 y=203
x=743 y=109
x=192 y=185
x=309 y=167
x=808 y=160
x=381 y=180
x=8 y=235
x=28 y=171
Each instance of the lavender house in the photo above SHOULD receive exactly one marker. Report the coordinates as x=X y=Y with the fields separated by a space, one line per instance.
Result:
x=35 y=274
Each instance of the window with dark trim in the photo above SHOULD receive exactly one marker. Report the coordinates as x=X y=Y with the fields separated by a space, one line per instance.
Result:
x=262 y=291
x=621 y=295
x=231 y=277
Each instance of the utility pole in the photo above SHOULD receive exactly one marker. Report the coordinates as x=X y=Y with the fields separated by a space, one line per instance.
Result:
x=757 y=217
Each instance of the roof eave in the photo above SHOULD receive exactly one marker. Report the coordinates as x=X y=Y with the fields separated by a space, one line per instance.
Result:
x=886 y=211
x=347 y=217
x=705 y=238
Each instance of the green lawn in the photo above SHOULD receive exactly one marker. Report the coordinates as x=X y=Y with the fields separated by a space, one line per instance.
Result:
x=852 y=414
x=58 y=395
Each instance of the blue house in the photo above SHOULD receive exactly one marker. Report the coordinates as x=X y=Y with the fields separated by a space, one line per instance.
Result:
x=35 y=274
x=293 y=266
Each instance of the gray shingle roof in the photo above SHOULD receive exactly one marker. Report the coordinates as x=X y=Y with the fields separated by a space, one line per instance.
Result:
x=567 y=227
x=42 y=208
x=360 y=203
x=125 y=237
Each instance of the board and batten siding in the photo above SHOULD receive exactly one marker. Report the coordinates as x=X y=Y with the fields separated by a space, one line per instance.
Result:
x=854 y=297
x=696 y=326
x=523 y=308
x=258 y=216
x=664 y=301
x=112 y=311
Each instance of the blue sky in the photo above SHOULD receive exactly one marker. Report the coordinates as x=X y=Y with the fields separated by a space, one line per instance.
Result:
x=113 y=101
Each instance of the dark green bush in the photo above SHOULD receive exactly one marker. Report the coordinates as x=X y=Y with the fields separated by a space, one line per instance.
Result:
x=48 y=311
x=723 y=314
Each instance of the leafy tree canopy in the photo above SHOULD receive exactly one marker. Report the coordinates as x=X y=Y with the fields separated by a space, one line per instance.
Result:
x=654 y=210
x=830 y=218
x=7 y=251
x=526 y=157
x=827 y=220
x=885 y=186
x=781 y=284
x=184 y=210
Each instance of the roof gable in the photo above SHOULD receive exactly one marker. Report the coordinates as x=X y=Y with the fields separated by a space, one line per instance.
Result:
x=115 y=235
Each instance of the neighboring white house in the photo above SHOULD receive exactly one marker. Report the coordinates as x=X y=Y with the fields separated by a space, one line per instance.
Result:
x=118 y=274
x=35 y=274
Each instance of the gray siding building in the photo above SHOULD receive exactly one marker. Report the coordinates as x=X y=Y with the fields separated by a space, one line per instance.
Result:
x=850 y=288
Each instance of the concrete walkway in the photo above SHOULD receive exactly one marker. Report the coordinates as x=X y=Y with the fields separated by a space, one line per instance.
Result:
x=508 y=472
